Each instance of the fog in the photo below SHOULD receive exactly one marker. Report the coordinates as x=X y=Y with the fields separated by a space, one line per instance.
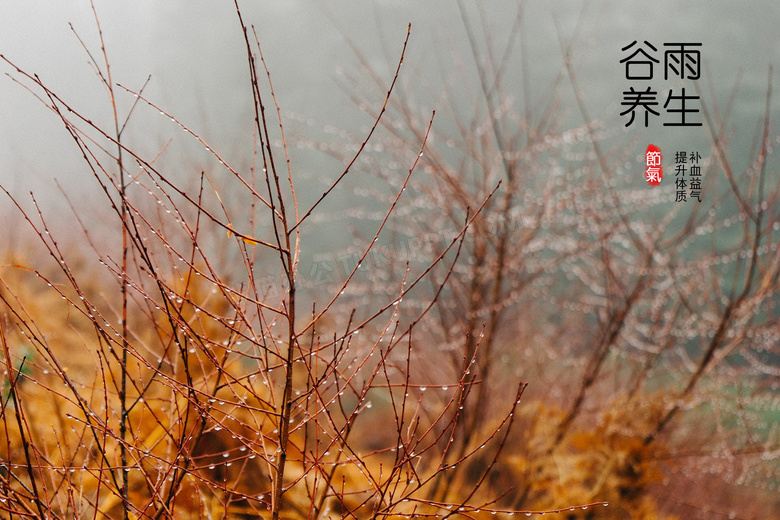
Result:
x=195 y=55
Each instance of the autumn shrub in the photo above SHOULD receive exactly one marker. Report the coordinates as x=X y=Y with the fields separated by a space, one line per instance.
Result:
x=153 y=372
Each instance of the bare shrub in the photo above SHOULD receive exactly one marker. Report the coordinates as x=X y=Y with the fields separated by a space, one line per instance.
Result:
x=649 y=329
x=158 y=376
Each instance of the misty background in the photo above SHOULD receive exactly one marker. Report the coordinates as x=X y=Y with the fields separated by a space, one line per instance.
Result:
x=195 y=55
